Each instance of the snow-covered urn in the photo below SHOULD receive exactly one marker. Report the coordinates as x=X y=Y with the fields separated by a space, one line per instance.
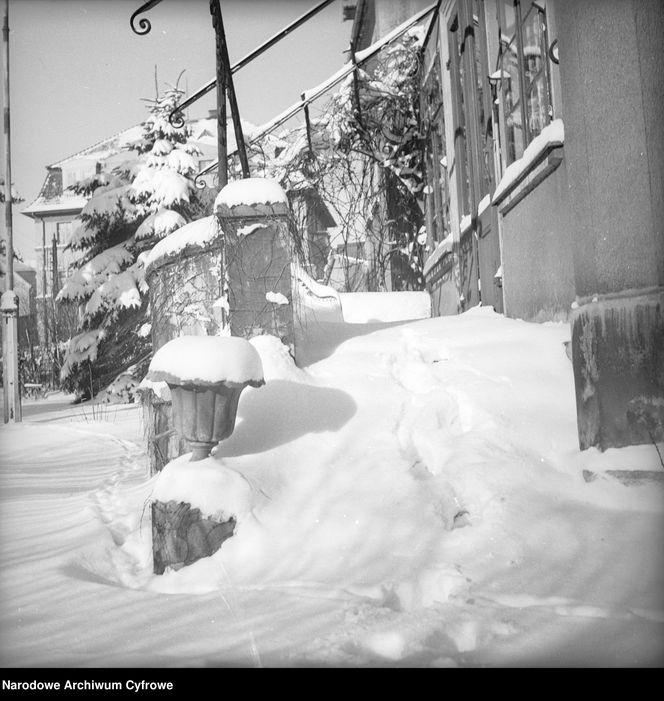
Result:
x=206 y=375
x=258 y=249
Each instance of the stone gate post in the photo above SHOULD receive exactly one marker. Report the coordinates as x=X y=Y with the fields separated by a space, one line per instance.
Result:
x=258 y=248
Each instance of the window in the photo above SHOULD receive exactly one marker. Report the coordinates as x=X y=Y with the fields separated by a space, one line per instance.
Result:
x=482 y=96
x=524 y=71
x=431 y=109
x=460 y=137
x=62 y=232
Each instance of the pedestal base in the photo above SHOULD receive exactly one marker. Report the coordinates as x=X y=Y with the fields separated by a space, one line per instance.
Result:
x=618 y=357
x=181 y=535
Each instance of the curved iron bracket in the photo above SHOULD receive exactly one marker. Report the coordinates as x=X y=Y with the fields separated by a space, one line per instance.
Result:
x=176 y=118
x=143 y=24
x=198 y=180
x=553 y=52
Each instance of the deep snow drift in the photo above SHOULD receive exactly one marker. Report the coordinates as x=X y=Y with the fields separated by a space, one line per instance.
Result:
x=414 y=498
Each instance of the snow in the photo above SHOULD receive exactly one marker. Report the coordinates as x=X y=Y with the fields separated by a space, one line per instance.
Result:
x=484 y=204
x=106 y=201
x=311 y=287
x=220 y=493
x=276 y=298
x=119 y=291
x=160 y=223
x=551 y=135
x=82 y=347
x=163 y=187
x=8 y=301
x=413 y=498
x=444 y=247
x=365 y=307
x=251 y=191
x=200 y=233
x=95 y=272
x=206 y=360
x=251 y=229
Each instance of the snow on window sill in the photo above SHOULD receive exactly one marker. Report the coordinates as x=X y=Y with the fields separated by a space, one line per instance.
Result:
x=444 y=248
x=540 y=159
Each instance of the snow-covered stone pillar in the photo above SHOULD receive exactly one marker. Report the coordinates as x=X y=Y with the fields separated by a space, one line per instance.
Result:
x=187 y=298
x=614 y=153
x=255 y=217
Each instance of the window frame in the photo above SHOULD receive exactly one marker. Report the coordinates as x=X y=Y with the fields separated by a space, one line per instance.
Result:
x=461 y=146
x=433 y=122
x=521 y=107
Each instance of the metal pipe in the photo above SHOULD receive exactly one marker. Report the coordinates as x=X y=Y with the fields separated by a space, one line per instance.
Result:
x=10 y=379
x=8 y=160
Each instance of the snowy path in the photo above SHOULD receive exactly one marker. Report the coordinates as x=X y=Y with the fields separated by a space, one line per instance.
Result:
x=417 y=500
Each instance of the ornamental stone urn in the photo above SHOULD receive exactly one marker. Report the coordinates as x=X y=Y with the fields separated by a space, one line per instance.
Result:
x=206 y=375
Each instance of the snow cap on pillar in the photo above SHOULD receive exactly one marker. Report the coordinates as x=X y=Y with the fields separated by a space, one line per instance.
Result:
x=9 y=301
x=251 y=197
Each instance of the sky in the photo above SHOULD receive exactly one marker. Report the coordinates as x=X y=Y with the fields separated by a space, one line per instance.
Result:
x=78 y=73
x=413 y=495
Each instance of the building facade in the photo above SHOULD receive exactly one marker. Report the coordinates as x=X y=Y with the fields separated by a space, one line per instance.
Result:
x=545 y=184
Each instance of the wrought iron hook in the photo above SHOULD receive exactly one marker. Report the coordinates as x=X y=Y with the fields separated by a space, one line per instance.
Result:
x=143 y=23
x=199 y=179
x=176 y=118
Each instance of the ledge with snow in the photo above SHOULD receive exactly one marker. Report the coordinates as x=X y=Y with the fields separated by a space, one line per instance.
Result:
x=251 y=197
x=542 y=156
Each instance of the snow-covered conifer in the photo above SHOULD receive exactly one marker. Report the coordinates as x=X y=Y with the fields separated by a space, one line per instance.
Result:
x=130 y=208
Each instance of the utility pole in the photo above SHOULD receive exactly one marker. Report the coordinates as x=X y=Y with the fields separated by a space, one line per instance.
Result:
x=9 y=300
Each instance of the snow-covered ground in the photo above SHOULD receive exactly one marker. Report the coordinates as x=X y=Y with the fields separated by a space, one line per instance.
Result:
x=415 y=497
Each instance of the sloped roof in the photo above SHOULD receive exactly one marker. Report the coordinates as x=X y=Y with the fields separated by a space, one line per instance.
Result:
x=52 y=198
x=106 y=147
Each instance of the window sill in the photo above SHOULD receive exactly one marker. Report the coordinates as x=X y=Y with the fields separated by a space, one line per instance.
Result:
x=530 y=178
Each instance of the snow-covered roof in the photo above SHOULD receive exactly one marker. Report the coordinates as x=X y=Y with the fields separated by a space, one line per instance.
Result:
x=207 y=360
x=66 y=202
x=106 y=147
x=52 y=199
